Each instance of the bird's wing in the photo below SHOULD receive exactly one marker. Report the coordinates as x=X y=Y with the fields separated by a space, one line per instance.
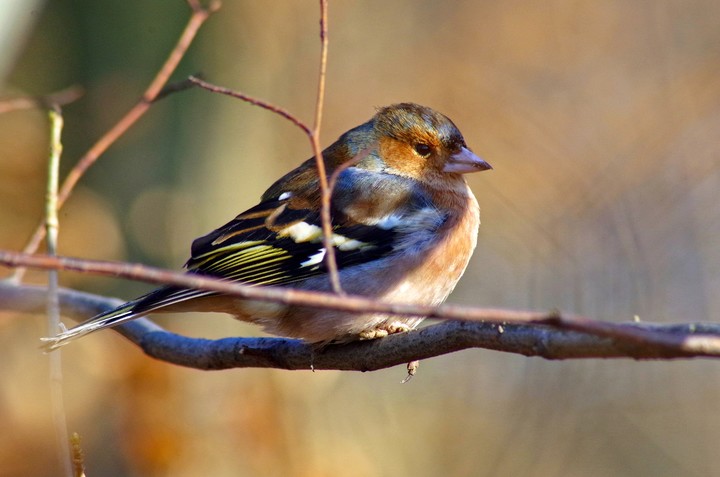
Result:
x=279 y=241
x=274 y=244
x=270 y=244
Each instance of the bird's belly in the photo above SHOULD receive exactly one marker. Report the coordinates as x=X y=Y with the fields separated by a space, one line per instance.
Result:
x=425 y=276
x=424 y=279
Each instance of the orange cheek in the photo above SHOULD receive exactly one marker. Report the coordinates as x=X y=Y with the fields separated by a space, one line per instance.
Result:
x=401 y=157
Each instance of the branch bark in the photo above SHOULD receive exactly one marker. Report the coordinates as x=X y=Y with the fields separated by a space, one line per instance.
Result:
x=528 y=339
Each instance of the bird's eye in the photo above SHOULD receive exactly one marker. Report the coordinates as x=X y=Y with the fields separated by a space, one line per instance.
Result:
x=423 y=149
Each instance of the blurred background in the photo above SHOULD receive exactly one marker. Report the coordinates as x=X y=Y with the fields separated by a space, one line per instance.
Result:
x=601 y=120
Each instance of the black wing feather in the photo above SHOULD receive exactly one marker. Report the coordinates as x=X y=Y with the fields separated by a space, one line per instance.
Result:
x=252 y=249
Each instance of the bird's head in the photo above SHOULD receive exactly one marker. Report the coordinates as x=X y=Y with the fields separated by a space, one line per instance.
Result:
x=417 y=141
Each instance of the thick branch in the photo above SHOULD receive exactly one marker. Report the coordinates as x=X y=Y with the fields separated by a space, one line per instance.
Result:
x=443 y=338
x=664 y=343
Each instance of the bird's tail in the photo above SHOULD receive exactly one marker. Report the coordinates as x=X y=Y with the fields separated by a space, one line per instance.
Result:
x=108 y=319
x=153 y=301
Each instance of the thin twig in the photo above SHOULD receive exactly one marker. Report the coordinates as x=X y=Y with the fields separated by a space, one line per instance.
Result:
x=288 y=296
x=198 y=17
x=705 y=345
x=254 y=101
x=325 y=217
x=176 y=87
x=53 y=302
x=314 y=137
x=322 y=74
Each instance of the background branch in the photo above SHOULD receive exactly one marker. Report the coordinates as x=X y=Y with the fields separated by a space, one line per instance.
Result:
x=52 y=306
x=197 y=19
x=313 y=134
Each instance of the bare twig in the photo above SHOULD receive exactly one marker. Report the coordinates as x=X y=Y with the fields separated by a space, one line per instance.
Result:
x=176 y=87
x=322 y=174
x=254 y=101
x=325 y=218
x=198 y=17
x=700 y=345
x=322 y=74
x=449 y=336
x=288 y=296
x=53 y=303
x=314 y=137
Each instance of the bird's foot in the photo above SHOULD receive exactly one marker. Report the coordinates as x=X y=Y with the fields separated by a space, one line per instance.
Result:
x=384 y=329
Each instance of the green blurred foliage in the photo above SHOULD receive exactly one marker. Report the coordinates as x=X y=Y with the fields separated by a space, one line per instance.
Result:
x=601 y=120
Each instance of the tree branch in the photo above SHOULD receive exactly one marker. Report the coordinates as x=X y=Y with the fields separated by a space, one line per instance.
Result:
x=443 y=338
x=552 y=336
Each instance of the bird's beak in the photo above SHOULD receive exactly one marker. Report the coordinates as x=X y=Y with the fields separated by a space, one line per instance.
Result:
x=465 y=161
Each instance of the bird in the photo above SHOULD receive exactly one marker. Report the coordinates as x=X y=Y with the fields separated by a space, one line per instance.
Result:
x=404 y=227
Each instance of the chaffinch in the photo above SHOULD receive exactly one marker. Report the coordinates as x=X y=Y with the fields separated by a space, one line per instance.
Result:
x=404 y=227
